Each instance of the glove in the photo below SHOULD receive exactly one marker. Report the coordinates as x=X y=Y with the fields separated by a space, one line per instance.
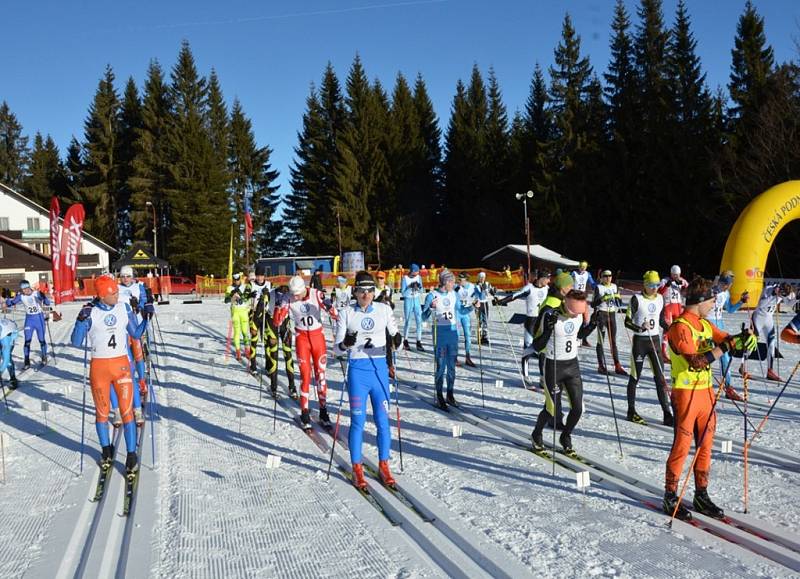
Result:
x=416 y=286
x=41 y=295
x=134 y=304
x=148 y=311
x=397 y=339
x=350 y=339
x=608 y=297
x=550 y=320
x=745 y=297
x=744 y=341
x=85 y=312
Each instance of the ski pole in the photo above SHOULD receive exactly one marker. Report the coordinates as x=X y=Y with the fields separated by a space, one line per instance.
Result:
x=3 y=386
x=50 y=335
x=556 y=398
x=774 y=402
x=513 y=352
x=746 y=445
x=266 y=345
x=83 y=406
x=345 y=369
x=480 y=361
x=152 y=411
x=397 y=409
x=608 y=379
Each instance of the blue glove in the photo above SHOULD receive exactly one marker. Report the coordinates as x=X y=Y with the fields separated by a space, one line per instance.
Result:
x=148 y=311
x=85 y=312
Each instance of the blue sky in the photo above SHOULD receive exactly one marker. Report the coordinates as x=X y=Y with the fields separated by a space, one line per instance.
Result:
x=267 y=53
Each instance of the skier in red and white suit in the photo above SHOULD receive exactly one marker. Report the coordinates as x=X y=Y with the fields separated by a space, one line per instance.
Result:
x=672 y=289
x=305 y=307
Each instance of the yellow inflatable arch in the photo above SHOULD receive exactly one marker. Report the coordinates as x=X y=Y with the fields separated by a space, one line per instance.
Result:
x=752 y=236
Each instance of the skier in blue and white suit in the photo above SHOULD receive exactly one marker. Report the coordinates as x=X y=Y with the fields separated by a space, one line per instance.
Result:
x=411 y=290
x=468 y=294
x=444 y=304
x=8 y=335
x=32 y=302
x=362 y=332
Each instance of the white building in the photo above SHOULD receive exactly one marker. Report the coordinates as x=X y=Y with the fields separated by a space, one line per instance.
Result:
x=28 y=223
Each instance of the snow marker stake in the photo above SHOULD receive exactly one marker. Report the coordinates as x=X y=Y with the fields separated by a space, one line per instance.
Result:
x=498 y=383
x=45 y=407
x=240 y=413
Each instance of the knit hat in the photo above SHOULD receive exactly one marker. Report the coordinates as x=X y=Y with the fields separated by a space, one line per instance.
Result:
x=445 y=276
x=105 y=285
x=651 y=277
x=564 y=280
x=364 y=281
x=414 y=268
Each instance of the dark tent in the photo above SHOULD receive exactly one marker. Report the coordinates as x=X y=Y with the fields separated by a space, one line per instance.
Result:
x=140 y=258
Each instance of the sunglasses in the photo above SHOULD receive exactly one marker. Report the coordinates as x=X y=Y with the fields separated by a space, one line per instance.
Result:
x=651 y=285
x=364 y=290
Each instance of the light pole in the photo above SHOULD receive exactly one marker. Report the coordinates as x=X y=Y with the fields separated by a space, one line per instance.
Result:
x=155 y=238
x=524 y=198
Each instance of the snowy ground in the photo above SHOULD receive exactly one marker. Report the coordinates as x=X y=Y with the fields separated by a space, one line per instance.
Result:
x=208 y=506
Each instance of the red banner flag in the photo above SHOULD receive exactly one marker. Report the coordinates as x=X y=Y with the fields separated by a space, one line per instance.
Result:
x=71 y=233
x=55 y=248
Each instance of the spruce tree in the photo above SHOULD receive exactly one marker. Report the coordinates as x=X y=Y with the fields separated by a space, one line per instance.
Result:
x=752 y=64
x=147 y=180
x=100 y=183
x=46 y=178
x=73 y=169
x=130 y=123
x=496 y=169
x=13 y=149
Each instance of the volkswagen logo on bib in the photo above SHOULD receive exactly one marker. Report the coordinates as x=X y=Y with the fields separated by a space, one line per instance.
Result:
x=110 y=320
x=367 y=324
x=446 y=302
x=651 y=308
x=569 y=327
x=305 y=308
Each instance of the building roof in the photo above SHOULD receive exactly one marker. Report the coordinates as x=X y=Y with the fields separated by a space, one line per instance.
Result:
x=46 y=213
x=24 y=247
x=537 y=252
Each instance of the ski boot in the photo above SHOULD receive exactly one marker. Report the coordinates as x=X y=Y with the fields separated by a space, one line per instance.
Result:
x=601 y=369
x=537 y=442
x=26 y=364
x=744 y=373
x=451 y=400
x=669 y=420
x=419 y=346
x=635 y=418
x=391 y=372
x=566 y=443
x=405 y=344
x=358 y=477
x=772 y=375
x=143 y=390
x=13 y=383
x=468 y=361
x=292 y=392
x=618 y=369
x=131 y=463
x=138 y=417
x=440 y=402
x=702 y=504
x=731 y=394
x=585 y=343
x=324 y=419
x=305 y=419
x=669 y=504
x=253 y=368
x=238 y=355
x=273 y=384
x=484 y=341
x=385 y=474
x=107 y=457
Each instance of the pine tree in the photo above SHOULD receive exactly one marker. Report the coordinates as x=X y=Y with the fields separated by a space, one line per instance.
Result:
x=46 y=178
x=147 y=180
x=13 y=149
x=252 y=178
x=620 y=79
x=73 y=171
x=753 y=63
x=130 y=123
x=100 y=184
x=499 y=201
x=196 y=198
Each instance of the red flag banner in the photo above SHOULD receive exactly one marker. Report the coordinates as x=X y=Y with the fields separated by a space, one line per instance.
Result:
x=55 y=247
x=71 y=233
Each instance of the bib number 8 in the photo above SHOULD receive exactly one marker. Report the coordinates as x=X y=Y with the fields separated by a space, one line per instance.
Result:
x=568 y=346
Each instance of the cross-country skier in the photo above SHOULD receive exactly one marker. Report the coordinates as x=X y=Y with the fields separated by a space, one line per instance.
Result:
x=411 y=290
x=487 y=292
x=238 y=296
x=362 y=332
x=606 y=302
x=305 y=306
x=383 y=295
x=584 y=282
x=791 y=333
x=32 y=303
x=275 y=333
x=764 y=320
x=694 y=344
x=259 y=297
x=559 y=340
x=672 y=288
x=468 y=295
x=645 y=315
x=722 y=304
x=106 y=324
x=8 y=335
x=534 y=294
x=445 y=306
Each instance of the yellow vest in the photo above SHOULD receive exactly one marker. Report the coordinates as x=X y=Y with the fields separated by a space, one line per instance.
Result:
x=683 y=377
